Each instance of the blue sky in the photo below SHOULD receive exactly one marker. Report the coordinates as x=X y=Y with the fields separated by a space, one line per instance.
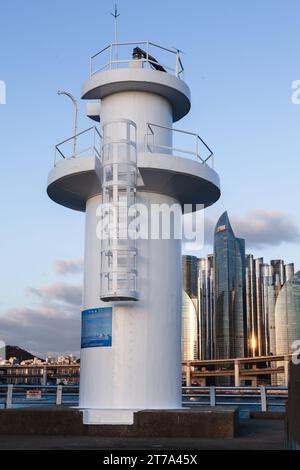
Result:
x=240 y=59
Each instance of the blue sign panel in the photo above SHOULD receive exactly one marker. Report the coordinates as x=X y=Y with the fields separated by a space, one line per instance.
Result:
x=96 y=328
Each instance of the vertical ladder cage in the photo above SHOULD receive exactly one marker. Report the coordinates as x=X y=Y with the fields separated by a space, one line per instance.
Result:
x=118 y=245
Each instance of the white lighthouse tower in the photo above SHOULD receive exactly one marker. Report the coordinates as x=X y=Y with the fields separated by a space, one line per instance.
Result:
x=131 y=318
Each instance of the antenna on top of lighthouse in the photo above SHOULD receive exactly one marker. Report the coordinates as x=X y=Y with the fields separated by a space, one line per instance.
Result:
x=116 y=15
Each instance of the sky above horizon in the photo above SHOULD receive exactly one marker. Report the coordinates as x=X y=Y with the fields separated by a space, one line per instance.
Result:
x=240 y=60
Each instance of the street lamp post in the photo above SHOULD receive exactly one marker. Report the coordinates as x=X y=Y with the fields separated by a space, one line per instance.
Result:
x=74 y=101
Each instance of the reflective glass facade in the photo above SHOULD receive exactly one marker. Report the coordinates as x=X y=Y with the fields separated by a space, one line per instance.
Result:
x=263 y=284
x=251 y=311
x=287 y=315
x=206 y=306
x=229 y=267
x=189 y=334
x=190 y=319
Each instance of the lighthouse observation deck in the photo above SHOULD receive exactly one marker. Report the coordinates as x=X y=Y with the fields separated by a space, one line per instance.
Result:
x=131 y=66
x=119 y=54
x=143 y=82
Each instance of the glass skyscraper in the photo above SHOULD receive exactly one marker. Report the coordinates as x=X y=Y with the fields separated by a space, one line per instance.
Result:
x=263 y=284
x=206 y=306
x=190 y=318
x=230 y=290
x=251 y=308
x=287 y=315
x=269 y=294
x=287 y=319
x=261 y=343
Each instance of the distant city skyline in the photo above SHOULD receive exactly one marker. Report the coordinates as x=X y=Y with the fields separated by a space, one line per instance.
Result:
x=235 y=305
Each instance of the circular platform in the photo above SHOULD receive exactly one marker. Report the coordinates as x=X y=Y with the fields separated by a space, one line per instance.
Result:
x=73 y=181
x=173 y=89
x=189 y=181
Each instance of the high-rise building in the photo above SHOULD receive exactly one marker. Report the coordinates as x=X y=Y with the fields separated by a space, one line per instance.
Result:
x=206 y=306
x=289 y=271
x=268 y=305
x=261 y=346
x=278 y=273
x=229 y=275
x=287 y=319
x=287 y=315
x=251 y=312
x=263 y=284
x=190 y=318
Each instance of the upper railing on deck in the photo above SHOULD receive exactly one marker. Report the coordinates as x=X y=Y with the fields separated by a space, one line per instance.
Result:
x=184 y=143
x=120 y=55
x=85 y=143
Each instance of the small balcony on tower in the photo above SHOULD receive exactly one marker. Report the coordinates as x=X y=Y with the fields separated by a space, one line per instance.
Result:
x=87 y=143
x=173 y=159
x=184 y=144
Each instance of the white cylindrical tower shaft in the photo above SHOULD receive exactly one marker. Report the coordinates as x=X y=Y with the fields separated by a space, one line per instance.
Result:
x=142 y=108
x=142 y=368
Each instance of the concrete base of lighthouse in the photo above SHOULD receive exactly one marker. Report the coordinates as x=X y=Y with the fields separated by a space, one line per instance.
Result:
x=60 y=421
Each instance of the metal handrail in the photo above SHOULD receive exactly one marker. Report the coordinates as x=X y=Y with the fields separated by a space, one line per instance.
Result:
x=195 y=152
x=93 y=147
x=177 y=70
x=260 y=392
x=192 y=393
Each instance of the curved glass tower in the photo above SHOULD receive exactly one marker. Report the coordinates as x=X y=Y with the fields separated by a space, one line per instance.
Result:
x=189 y=335
x=206 y=306
x=190 y=320
x=229 y=268
x=287 y=315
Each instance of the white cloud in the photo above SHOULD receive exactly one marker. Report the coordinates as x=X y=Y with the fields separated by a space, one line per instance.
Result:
x=58 y=291
x=51 y=326
x=265 y=228
x=68 y=266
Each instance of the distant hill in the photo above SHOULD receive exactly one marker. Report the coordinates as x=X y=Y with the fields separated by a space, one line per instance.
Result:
x=19 y=353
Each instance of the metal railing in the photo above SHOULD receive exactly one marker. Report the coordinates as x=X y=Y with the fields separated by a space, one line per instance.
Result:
x=198 y=148
x=88 y=143
x=112 y=55
x=28 y=395
x=263 y=397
